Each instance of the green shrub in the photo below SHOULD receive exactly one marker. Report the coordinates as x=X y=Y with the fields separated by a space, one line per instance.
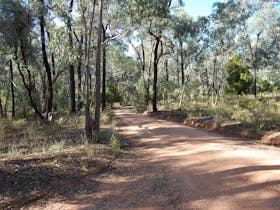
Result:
x=112 y=95
x=239 y=78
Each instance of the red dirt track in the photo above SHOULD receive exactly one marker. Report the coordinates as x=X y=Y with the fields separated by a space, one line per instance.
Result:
x=172 y=166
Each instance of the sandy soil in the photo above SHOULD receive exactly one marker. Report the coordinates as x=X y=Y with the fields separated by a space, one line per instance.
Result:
x=172 y=166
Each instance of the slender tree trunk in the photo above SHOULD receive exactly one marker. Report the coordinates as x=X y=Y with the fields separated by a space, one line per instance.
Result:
x=146 y=83
x=44 y=90
x=255 y=81
x=1 y=108
x=45 y=59
x=79 y=72
x=208 y=88
x=182 y=62
x=104 y=73
x=214 y=84
x=52 y=55
x=155 y=74
x=149 y=80
x=53 y=64
x=88 y=32
x=71 y=67
x=6 y=103
x=29 y=86
x=97 y=74
x=166 y=70
x=72 y=89
x=12 y=89
x=253 y=57
x=177 y=69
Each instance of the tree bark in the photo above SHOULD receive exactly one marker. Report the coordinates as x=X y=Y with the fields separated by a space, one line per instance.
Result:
x=71 y=67
x=97 y=74
x=155 y=74
x=79 y=72
x=214 y=84
x=149 y=80
x=45 y=59
x=182 y=62
x=166 y=71
x=88 y=32
x=12 y=89
x=29 y=86
x=177 y=70
x=104 y=72
x=1 y=108
x=52 y=55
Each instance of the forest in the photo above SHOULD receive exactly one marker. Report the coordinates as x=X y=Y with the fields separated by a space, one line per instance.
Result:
x=67 y=65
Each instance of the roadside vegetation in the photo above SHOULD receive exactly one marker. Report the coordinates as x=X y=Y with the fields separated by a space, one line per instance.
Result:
x=42 y=162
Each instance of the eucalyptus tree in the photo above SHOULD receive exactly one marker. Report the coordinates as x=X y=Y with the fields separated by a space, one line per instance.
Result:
x=123 y=71
x=71 y=68
x=114 y=26
x=88 y=30
x=42 y=10
x=143 y=47
x=20 y=40
x=264 y=38
x=98 y=73
x=183 y=28
x=222 y=35
x=156 y=17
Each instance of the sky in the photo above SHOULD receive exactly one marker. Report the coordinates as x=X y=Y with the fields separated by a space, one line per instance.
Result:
x=199 y=7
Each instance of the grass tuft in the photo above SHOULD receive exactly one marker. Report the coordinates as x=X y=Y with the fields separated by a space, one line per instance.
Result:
x=57 y=145
x=115 y=144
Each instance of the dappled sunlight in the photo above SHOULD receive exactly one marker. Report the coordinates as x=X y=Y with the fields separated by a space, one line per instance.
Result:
x=217 y=172
x=172 y=166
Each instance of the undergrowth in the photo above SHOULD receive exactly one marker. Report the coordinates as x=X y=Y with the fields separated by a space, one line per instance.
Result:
x=26 y=137
x=261 y=113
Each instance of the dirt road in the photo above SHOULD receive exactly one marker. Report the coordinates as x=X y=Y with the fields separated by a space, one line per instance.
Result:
x=172 y=166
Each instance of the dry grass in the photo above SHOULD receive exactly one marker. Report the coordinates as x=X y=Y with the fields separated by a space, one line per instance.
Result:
x=37 y=159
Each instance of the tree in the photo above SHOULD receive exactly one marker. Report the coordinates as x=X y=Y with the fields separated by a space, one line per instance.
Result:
x=98 y=73
x=71 y=67
x=156 y=19
x=183 y=28
x=88 y=33
x=18 y=40
x=49 y=98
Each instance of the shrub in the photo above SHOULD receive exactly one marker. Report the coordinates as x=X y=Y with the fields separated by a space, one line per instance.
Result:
x=239 y=79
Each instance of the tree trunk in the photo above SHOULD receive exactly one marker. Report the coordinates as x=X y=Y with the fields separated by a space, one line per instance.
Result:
x=71 y=67
x=149 y=80
x=52 y=54
x=104 y=73
x=146 y=83
x=79 y=72
x=182 y=62
x=255 y=81
x=44 y=90
x=45 y=59
x=97 y=74
x=6 y=103
x=1 y=108
x=12 y=89
x=177 y=70
x=88 y=121
x=166 y=70
x=214 y=84
x=155 y=74
x=208 y=87
x=29 y=86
